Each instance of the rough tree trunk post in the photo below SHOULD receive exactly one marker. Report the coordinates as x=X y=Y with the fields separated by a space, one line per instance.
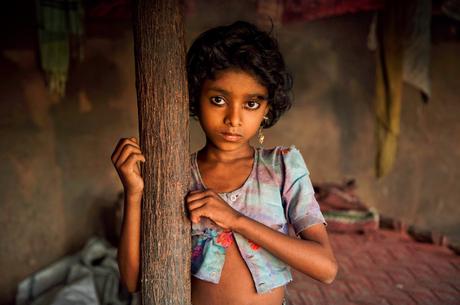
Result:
x=163 y=128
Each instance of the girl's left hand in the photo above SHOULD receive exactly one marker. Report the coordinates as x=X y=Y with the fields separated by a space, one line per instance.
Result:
x=209 y=204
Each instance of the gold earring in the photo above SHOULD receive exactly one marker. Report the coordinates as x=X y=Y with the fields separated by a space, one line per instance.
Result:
x=261 y=134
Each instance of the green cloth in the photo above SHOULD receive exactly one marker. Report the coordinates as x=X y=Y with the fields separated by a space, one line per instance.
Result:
x=351 y=216
x=59 y=23
x=389 y=84
x=403 y=54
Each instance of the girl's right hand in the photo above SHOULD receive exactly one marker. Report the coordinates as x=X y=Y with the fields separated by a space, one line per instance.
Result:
x=125 y=158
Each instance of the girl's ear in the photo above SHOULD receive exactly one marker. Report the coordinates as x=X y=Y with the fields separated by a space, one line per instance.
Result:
x=265 y=120
x=267 y=110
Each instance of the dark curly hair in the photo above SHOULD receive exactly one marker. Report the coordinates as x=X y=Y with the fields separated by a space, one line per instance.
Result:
x=240 y=45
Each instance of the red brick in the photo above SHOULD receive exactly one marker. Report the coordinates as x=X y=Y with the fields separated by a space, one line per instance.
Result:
x=363 y=261
x=441 y=286
x=294 y=299
x=381 y=258
x=307 y=289
x=401 y=253
x=369 y=300
x=453 y=279
x=395 y=259
x=333 y=296
x=360 y=285
x=376 y=275
x=381 y=286
x=448 y=297
x=400 y=276
x=309 y=299
x=456 y=264
x=397 y=297
x=345 y=264
x=424 y=297
x=422 y=273
x=342 y=240
x=453 y=285
x=444 y=268
x=417 y=288
x=339 y=286
x=341 y=275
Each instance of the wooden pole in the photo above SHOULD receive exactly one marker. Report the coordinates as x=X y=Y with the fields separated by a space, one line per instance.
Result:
x=159 y=48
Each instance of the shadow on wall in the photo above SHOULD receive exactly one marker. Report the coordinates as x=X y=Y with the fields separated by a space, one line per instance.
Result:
x=32 y=218
x=51 y=162
x=84 y=121
x=111 y=216
x=334 y=82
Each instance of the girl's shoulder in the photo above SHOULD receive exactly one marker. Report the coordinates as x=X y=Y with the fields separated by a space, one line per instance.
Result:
x=284 y=158
x=278 y=151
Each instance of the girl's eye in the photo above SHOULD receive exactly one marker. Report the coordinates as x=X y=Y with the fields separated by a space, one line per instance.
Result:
x=253 y=105
x=218 y=100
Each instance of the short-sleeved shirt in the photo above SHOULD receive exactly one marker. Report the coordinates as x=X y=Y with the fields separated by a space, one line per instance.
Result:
x=278 y=191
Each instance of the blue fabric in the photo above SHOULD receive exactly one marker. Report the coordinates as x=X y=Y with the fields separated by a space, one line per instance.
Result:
x=278 y=191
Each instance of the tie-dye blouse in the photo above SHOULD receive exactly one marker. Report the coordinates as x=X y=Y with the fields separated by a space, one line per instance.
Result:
x=278 y=191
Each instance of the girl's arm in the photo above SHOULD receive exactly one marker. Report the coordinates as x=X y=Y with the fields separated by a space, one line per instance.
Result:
x=311 y=255
x=125 y=157
x=128 y=250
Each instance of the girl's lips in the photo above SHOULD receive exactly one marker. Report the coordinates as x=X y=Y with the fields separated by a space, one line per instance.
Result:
x=231 y=137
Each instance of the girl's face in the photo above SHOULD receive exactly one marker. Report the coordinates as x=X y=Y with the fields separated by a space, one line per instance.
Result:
x=232 y=107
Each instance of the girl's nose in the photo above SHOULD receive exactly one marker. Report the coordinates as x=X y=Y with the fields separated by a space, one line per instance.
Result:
x=233 y=116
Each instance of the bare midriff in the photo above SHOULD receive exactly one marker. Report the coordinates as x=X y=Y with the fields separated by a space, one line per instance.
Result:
x=235 y=287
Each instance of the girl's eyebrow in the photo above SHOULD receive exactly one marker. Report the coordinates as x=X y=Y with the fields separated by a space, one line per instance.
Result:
x=259 y=96
x=220 y=90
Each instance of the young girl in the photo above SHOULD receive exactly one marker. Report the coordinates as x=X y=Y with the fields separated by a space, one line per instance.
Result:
x=242 y=198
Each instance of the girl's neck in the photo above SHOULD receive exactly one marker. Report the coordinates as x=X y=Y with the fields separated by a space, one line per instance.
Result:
x=211 y=153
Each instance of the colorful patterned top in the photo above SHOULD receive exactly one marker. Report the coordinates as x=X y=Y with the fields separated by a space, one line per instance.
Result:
x=278 y=191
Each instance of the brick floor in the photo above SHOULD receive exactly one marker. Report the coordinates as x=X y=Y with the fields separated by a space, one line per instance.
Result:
x=383 y=267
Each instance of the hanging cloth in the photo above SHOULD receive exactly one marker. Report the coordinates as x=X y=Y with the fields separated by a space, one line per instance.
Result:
x=401 y=38
x=60 y=36
x=451 y=8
